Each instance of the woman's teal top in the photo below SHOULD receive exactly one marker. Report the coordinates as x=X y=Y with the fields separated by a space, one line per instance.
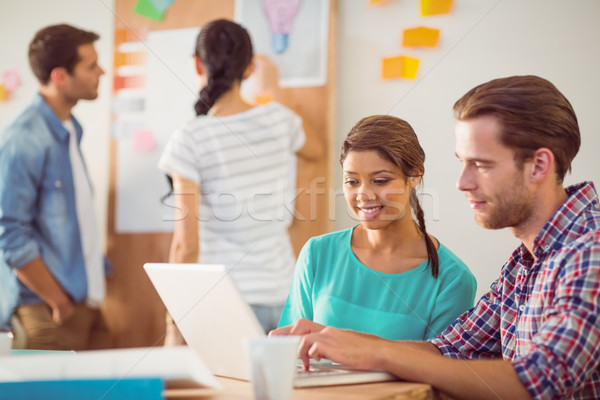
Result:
x=332 y=287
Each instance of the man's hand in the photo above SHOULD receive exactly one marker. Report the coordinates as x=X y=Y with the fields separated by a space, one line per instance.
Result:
x=37 y=277
x=354 y=349
x=62 y=312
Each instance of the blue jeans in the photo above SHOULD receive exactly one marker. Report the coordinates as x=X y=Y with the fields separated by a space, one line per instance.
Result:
x=268 y=316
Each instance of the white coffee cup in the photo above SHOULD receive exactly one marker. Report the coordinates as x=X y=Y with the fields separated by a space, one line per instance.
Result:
x=5 y=343
x=273 y=365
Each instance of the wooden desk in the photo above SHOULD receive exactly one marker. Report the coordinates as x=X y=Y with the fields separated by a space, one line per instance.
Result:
x=241 y=390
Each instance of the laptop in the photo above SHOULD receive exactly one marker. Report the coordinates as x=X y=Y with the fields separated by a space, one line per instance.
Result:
x=214 y=319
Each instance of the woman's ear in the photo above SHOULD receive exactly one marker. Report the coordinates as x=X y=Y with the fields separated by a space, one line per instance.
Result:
x=415 y=178
x=249 y=70
x=199 y=66
x=414 y=181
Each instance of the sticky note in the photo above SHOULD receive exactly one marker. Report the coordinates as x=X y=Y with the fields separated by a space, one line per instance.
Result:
x=133 y=58
x=146 y=9
x=128 y=82
x=126 y=128
x=122 y=104
x=161 y=5
x=130 y=35
x=143 y=141
x=376 y=2
x=436 y=7
x=3 y=93
x=420 y=37
x=262 y=99
x=11 y=79
x=399 y=67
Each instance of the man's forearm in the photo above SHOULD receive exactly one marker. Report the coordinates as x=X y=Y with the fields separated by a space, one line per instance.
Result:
x=464 y=379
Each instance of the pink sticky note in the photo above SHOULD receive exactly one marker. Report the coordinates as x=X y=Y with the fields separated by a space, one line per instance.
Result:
x=11 y=79
x=143 y=141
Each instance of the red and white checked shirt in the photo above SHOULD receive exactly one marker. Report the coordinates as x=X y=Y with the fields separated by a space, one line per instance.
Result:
x=544 y=316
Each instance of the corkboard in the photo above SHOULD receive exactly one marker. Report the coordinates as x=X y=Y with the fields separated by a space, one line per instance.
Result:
x=134 y=312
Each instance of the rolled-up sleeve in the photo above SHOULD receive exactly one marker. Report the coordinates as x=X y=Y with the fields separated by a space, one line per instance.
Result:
x=18 y=194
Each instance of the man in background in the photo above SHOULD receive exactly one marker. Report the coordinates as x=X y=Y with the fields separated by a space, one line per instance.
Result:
x=536 y=333
x=48 y=230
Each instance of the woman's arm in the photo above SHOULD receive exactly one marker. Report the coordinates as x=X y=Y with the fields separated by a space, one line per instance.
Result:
x=185 y=244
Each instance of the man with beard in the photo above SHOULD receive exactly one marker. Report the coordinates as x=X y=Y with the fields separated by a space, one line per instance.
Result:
x=536 y=333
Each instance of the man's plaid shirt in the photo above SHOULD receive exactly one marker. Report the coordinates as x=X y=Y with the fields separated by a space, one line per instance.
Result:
x=544 y=316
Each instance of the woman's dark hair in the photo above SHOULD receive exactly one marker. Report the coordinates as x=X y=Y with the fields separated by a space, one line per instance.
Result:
x=225 y=50
x=57 y=46
x=394 y=140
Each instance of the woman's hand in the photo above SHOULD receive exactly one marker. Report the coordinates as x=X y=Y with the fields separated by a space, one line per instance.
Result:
x=267 y=77
x=298 y=328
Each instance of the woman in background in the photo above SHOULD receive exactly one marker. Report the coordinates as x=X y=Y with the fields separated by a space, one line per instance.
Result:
x=232 y=170
x=386 y=276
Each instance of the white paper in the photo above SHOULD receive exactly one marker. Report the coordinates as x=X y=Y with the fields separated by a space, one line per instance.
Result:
x=168 y=363
x=304 y=62
x=170 y=93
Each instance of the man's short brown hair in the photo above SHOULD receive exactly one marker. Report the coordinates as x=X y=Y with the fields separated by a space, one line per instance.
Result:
x=57 y=46
x=533 y=113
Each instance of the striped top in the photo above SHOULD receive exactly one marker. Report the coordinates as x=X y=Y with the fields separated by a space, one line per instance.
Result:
x=245 y=167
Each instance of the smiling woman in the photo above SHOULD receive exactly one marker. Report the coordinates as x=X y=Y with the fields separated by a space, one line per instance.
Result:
x=386 y=276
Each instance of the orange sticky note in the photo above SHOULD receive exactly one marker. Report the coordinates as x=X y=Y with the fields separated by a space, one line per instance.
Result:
x=3 y=93
x=130 y=35
x=376 y=2
x=133 y=58
x=399 y=67
x=436 y=7
x=262 y=99
x=420 y=37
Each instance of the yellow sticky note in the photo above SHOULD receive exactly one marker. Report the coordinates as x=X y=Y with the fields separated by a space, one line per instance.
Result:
x=436 y=7
x=376 y=2
x=399 y=67
x=3 y=93
x=262 y=99
x=420 y=37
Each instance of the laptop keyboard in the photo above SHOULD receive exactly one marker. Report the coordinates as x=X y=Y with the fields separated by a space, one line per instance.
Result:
x=320 y=370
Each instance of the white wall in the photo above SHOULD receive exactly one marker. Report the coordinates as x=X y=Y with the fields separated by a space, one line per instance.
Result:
x=481 y=40
x=19 y=20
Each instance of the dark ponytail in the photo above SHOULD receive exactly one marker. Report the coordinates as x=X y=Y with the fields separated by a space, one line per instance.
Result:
x=433 y=259
x=225 y=50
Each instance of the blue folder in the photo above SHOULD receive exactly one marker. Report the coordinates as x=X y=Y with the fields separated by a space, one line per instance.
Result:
x=82 y=389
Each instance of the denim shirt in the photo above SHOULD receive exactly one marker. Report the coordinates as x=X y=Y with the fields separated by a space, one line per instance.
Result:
x=38 y=216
